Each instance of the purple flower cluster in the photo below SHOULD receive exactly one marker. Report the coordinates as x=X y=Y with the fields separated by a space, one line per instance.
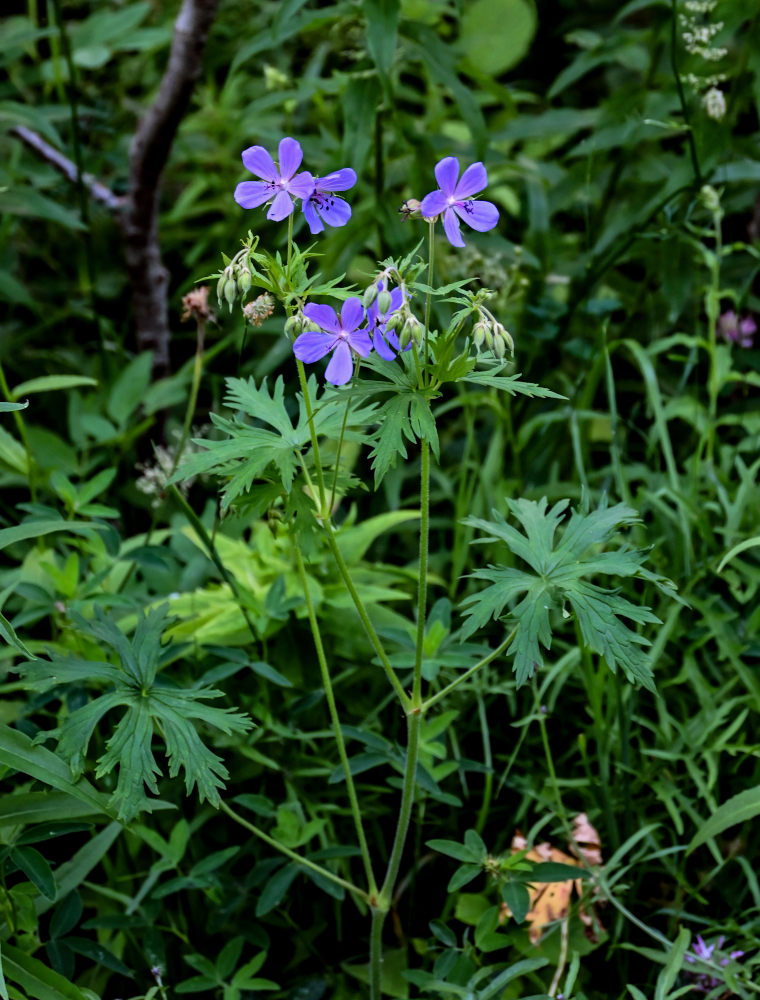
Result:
x=736 y=331
x=279 y=185
x=703 y=981
x=345 y=336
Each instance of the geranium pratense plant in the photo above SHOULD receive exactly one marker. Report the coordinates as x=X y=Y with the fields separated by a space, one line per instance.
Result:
x=407 y=362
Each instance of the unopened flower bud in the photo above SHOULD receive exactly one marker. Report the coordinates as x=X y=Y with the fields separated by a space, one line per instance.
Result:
x=230 y=290
x=370 y=294
x=479 y=334
x=393 y=321
x=410 y=208
x=220 y=287
x=499 y=347
x=405 y=337
x=383 y=302
x=293 y=325
x=488 y=336
x=506 y=337
x=710 y=198
x=415 y=328
x=244 y=281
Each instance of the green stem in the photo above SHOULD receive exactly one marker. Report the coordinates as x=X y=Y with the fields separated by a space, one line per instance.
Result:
x=324 y=872
x=193 y=399
x=376 y=954
x=314 y=443
x=428 y=299
x=338 y=454
x=333 y=708
x=712 y=306
x=21 y=427
x=550 y=763
x=290 y=241
x=405 y=811
x=429 y=702
x=362 y=611
x=204 y=536
x=423 y=570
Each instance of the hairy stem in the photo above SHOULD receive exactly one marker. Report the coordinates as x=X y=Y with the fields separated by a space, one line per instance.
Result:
x=423 y=570
x=444 y=692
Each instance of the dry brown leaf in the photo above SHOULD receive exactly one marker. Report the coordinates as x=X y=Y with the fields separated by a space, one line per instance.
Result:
x=550 y=901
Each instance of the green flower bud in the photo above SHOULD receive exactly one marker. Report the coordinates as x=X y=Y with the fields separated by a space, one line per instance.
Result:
x=499 y=347
x=488 y=338
x=384 y=302
x=230 y=290
x=293 y=325
x=244 y=281
x=506 y=336
x=478 y=334
x=405 y=337
x=394 y=320
x=220 y=287
x=370 y=295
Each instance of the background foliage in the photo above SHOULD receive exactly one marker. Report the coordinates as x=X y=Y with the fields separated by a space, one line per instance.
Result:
x=629 y=226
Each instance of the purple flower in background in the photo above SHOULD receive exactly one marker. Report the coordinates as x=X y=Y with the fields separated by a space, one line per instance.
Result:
x=280 y=185
x=341 y=336
x=703 y=981
x=454 y=199
x=735 y=330
x=322 y=206
x=385 y=341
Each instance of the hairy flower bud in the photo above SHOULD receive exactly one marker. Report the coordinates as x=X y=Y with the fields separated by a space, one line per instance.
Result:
x=370 y=295
x=383 y=302
x=244 y=281
x=410 y=208
x=479 y=334
x=405 y=337
x=505 y=337
x=293 y=325
x=230 y=291
x=220 y=287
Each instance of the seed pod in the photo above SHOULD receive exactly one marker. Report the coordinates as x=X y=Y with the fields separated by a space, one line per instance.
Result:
x=383 y=302
x=370 y=295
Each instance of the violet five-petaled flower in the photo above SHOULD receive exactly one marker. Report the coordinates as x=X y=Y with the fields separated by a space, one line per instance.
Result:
x=341 y=336
x=323 y=206
x=279 y=184
x=454 y=199
x=385 y=341
x=737 y=331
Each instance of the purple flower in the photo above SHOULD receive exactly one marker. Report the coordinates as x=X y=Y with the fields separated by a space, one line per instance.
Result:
x=382 y=338
x=340 y=336
x=279 y=185
x=703 y=981
x=322 y=206
x=454 y=199
x=735 y=330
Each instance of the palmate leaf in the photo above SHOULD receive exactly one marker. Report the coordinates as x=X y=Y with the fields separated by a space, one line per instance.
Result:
x=563 y=575
x=272 y=452
x=154 y=708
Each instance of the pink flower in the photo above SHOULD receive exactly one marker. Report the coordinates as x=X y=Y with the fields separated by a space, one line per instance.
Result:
x=735 y=330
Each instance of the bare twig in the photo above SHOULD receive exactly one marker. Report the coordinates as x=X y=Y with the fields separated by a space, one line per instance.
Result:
x=148 y=154
x=43 y=149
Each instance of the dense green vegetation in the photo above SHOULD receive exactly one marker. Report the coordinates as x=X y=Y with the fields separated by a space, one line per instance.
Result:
x=439 y=679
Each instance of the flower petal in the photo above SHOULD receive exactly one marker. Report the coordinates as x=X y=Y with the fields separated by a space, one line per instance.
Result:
x=480 y=215
x=312 y=219
x=338 y=180
x=290 y=154
x=324 y=316
x=473 y=180
x=361 y=342
x=446 y=173
x=302 y=185
x=382 y=348
x=434 y=203
x=351 y=314
x=312 y=346
x=341 y=366
x=251 y=194
x=451 y=228
x=334 y=211
x=259 y=162
x=281 y=207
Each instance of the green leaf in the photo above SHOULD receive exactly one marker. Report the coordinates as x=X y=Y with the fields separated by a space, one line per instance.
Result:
x=36 y=528
x=562 y=575
x=129 y=388
x=668 y=975
x=453 y=849
x=28 y=202
x=463 y=875
x=276 y=888
x=554 y=871
x=35 y=978
x=9 y=407
x=153 y=707
x=8 y=635
x=382 y=30
x=36 y=869
x=738 y=809
x=517 y=898
x=513 y=22
x=51 y=383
